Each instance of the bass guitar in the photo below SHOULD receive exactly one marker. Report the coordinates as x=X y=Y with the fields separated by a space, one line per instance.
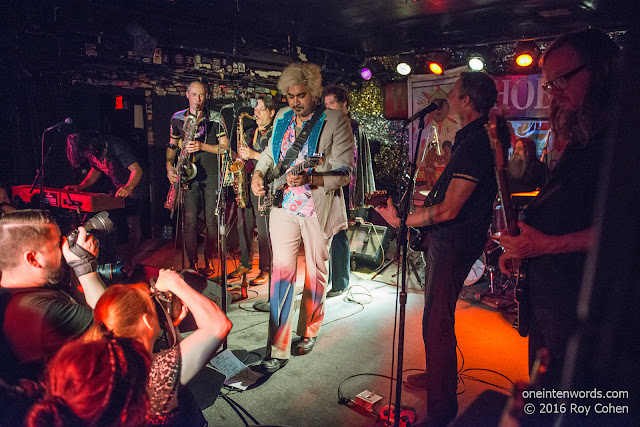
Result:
x=500 y=138
x=275 y=186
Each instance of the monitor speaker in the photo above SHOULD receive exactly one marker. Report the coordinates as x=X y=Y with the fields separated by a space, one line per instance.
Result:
x=368 y=243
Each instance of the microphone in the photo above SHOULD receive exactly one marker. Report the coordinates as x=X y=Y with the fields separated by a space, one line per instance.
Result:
x=240 y=104
x=435 y=105
x=98 y=222
x=66 y=121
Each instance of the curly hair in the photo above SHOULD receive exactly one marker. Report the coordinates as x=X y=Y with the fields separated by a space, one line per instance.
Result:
x=301 y=73
x=339 y=92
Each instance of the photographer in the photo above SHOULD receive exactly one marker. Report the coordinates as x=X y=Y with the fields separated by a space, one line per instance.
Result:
x=37 y=318
x=128 y=311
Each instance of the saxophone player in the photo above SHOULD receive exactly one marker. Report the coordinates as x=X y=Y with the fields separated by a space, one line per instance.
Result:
x=256 y=141
x=202 y=190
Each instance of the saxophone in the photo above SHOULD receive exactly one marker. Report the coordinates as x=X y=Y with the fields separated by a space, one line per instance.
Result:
x=186 y=168
x=237 y=168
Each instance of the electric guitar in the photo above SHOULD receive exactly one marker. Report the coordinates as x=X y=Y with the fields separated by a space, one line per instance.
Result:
x=420 y=241
x=500 y=138
x=275 y=185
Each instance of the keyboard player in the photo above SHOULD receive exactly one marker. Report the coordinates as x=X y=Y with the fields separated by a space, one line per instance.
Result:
x=110 y=156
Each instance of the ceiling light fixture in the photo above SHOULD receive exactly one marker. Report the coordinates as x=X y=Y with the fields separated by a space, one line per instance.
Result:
x=527 y=54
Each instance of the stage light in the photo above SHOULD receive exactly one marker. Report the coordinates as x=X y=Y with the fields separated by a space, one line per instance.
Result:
x=527 y=53
x=365 y=73
x=403 y=68
x=439 y=61
x=405 y=64
x=476 y=63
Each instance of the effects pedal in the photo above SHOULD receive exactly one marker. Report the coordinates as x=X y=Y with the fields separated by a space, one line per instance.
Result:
x=367 y=399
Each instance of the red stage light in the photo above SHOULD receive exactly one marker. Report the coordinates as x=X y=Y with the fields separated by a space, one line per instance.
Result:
x=119 y=103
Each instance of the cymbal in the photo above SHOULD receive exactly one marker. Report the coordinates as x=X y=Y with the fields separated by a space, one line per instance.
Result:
x=526 y=194
x=424 y=192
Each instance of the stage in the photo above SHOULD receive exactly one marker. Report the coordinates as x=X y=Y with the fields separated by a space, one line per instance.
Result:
x=356 y=340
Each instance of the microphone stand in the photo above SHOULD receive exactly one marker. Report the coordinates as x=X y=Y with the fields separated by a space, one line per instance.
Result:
x=40 y=174
x=221 y=211
x=403 y=212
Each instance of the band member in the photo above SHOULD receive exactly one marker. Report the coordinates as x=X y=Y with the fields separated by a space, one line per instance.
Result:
x=257 y=140
x=579 y=70
x=203 y=189
x=460 y=219
x=526 y=171
x=110 y=155
x=36 y=316
x=313 y=208
x=362 y=182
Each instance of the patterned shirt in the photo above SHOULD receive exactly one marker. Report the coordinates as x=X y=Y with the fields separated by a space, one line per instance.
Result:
x=297 y=200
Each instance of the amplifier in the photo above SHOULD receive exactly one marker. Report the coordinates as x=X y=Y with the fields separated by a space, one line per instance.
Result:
x=368 y=243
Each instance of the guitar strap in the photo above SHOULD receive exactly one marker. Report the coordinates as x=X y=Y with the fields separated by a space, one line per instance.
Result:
x=431 y=197
x=292 y=152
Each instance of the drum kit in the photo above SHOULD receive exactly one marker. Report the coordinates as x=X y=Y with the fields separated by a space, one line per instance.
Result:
x=487 y=264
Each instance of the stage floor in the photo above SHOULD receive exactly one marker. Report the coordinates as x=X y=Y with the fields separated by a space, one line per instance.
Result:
x=357 y=338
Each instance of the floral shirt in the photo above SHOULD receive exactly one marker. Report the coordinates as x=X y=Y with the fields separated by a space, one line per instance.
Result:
x=297 y=200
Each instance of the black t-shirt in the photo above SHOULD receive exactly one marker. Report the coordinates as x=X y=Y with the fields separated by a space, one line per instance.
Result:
x=210 y=129
x=565 y=205
x=472 y=160
x=36 y=323
x=115 y=164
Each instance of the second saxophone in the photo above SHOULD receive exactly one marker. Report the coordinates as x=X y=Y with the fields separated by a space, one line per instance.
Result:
x=237 y=168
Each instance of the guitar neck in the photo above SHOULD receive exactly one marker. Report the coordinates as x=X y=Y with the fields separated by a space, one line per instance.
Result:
x=282 y=179
x=500 y=141
x=509 y=212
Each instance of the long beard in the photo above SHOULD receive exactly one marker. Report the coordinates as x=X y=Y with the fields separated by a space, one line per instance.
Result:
x=53 y=274
x=517 y=166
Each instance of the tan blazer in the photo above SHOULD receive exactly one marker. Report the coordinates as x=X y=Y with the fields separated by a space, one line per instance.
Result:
x=336 y=143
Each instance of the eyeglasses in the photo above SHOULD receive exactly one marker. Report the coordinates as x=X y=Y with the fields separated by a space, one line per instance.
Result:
x=560 y=83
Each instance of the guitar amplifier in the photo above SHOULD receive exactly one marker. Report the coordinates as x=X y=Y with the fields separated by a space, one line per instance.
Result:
x=368 y=243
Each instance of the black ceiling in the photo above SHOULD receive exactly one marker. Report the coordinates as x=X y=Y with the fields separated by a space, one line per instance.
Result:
x=353 y=27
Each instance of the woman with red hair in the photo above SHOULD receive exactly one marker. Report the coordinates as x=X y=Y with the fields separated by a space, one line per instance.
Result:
x=128 y=312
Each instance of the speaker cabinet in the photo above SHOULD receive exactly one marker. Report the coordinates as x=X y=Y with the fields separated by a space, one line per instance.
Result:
x=368 y=243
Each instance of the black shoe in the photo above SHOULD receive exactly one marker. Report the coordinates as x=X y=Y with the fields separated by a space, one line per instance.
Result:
x=272 y=365
x=417 y=381
x=305 y=345
x=335 y=292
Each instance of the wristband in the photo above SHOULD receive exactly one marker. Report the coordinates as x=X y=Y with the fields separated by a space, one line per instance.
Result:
x=87 y=262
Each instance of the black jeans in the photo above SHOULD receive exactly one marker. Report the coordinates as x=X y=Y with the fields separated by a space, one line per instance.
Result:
x=201 y=194
x=247 y=218
x=449 y=259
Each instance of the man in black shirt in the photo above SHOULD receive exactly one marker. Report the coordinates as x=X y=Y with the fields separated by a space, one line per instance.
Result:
x=257 y=140
x=580 y=70
x=109 y=155
x=458 y=220
x=36 y=317
x=203 y=189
